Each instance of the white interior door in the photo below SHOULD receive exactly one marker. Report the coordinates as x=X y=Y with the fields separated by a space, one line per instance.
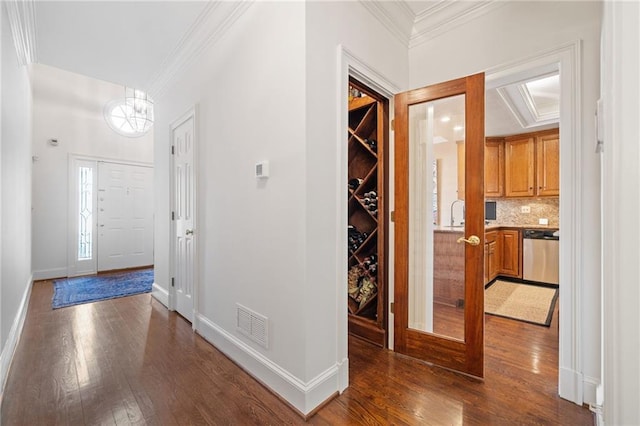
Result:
x=184 y=215
x=125 y=216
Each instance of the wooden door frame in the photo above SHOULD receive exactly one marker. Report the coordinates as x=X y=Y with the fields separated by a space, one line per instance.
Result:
x=191 y=113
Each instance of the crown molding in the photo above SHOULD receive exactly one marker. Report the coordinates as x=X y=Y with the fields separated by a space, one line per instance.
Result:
x=395 y=16
x=445 y=15
x=213 y=22
x=22 y=20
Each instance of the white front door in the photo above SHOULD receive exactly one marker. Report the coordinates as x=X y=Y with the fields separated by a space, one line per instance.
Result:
x=125 y=216
x=184 y=212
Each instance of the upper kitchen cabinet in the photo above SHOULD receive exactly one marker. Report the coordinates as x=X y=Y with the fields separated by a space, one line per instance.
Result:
x=494 y=168
x=532 y=165
x=548 y=164
x=519 y=166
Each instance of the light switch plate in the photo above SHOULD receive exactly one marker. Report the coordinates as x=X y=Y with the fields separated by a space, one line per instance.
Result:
x=262 y=170
x=543 y=221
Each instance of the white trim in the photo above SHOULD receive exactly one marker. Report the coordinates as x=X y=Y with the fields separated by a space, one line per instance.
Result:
x=590 y=390
x=390 y=14
x=47 y=274
x=9 y=349
x=446 y=16
x=22 y=20
x=303 y=396
x=160 y=294
x=350 y=65
x=213 y=22
x=192 y=113
x=567 y=59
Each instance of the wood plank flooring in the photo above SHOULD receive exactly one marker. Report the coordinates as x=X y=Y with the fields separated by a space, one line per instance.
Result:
x=130 y=361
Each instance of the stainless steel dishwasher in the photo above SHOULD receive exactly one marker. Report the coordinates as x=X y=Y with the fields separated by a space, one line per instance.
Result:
x=540 y=257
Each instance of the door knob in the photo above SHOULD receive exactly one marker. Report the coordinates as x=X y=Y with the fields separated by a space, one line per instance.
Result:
x=473 y=240
x=190 y=232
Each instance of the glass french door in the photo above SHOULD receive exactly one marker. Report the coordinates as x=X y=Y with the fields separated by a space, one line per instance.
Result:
x=439 y=224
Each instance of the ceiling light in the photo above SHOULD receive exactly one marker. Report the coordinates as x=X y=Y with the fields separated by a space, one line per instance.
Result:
x=457 y=128
x=131 y=116
x=140 y=110
x=445 y=119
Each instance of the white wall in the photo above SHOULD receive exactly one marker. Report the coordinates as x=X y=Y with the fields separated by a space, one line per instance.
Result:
x=328 y=25
x=621 y=197
x=15 y=190
x=267 y=90
x=511 y=32
x=69 y=107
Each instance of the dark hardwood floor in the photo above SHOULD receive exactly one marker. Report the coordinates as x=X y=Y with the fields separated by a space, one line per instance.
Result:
x=130 y=361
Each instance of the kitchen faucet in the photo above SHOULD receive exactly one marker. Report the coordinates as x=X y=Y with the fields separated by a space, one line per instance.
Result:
x=452 y=204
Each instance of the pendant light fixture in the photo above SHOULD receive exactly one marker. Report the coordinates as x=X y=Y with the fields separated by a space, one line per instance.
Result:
x=139 y=109
x=131 y=116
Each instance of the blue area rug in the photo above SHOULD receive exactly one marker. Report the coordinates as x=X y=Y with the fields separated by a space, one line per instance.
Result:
x=75 y=291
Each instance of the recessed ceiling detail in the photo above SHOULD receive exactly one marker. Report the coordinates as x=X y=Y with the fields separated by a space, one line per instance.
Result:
x=535 y=102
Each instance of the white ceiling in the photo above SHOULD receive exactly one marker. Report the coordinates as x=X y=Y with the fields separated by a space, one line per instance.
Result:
x=132 y=43
x=122 y=42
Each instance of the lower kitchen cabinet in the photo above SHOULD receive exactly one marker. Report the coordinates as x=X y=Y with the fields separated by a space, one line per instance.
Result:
x=510 y=248
x=491 y=255
x=502 y=254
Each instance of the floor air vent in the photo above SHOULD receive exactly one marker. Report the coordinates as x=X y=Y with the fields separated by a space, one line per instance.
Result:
x=252 y=325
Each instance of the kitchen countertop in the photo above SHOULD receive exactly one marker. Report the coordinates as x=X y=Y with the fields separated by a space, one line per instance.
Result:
x=492 y=227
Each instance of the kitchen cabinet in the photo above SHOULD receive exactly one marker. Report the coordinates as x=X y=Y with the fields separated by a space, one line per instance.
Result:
x=494 y=167
x=510 y=249
x=532 y=166
x=548 y=164
x=491 y=256
x=519 y=171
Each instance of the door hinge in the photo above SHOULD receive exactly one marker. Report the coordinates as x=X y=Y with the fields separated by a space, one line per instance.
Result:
x=392 y=216
x=392 y=308
x=393 y=125
x=173 y=149
x=173 y=215
x=173 y=282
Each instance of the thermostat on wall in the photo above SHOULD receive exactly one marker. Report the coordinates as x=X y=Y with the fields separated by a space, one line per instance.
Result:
x=262 y=170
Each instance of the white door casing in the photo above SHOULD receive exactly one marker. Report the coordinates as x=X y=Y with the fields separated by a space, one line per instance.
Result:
x=183 y=212
x=125 y=216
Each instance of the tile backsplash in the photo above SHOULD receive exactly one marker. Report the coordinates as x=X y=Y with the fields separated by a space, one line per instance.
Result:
x=509 y=212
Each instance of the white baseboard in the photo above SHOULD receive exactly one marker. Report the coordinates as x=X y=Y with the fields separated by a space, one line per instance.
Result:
x=343 y=375
x=160 y=294
x=304 y=397
x=590 y=386
x=14 y=336
x=571 y=385
x=47 y=274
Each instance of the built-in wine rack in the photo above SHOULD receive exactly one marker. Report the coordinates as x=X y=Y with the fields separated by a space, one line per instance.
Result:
x=368 y=117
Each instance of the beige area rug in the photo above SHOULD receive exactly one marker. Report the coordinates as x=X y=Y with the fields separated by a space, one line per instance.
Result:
x=523 y=302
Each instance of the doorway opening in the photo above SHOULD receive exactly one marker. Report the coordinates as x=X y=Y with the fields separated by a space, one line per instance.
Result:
x=110 y=216
x=368 y=188
x=567 y=59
